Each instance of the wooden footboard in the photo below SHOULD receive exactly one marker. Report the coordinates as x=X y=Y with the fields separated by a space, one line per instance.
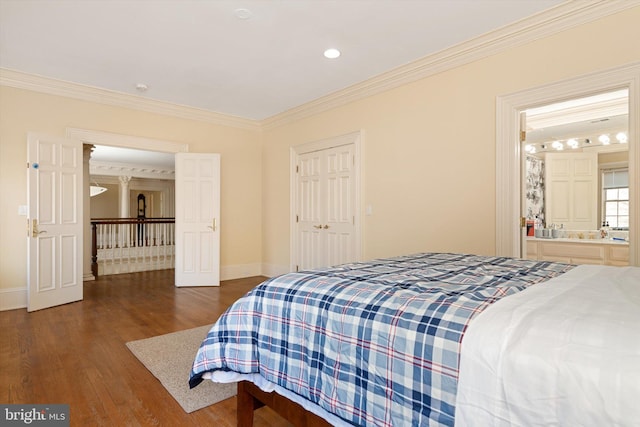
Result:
x=250 y=398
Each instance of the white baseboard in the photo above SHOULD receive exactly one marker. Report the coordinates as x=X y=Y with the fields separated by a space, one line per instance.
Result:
x=13 y=298
x=272 y=270
x=230 y=272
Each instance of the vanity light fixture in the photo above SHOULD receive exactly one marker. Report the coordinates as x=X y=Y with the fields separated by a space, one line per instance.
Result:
x=622 y=138
x=331 y=53
x=573 y=143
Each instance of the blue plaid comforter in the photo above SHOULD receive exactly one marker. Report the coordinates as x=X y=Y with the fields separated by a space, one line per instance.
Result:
x=376 y=343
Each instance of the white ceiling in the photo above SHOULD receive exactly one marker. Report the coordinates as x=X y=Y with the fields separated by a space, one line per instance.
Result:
x=200 y=54
x=580 y=118
x=124 y=156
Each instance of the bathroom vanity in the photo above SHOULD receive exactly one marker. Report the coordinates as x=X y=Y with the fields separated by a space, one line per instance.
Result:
x=579 y=251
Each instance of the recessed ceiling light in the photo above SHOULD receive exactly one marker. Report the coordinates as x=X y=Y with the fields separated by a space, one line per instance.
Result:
x=331 y=53
x=242 y=13
x=141 y=87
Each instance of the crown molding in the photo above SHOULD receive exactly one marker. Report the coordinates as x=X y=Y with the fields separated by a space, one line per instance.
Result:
x=122 y=169
x=562 y=17
x=20 y=80
x=543 y=24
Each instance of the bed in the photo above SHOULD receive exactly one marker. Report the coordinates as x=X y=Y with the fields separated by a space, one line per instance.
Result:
x=380 y=343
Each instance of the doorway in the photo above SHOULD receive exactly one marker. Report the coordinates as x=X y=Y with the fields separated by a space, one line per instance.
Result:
x=508 y=152
x=571 y=152
x=107 y=139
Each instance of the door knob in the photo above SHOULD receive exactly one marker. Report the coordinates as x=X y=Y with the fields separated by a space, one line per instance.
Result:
x=34 y=229
x=317 y=226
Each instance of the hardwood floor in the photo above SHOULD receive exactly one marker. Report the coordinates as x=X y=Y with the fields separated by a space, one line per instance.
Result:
x=76 y=353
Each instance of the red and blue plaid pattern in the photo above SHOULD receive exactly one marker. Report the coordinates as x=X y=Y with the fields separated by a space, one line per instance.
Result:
x=375 y=343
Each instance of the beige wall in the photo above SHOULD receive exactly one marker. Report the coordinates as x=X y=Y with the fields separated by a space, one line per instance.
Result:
x=107 y=204
x=22 y=111
x=429 y=146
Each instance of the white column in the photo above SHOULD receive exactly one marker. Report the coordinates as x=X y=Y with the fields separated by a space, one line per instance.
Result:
x=124 y=196
x=87 y=275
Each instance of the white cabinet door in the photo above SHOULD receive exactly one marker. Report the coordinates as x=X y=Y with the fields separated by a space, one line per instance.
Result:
x=54 y=186
x=197 y=219
x=571 y=194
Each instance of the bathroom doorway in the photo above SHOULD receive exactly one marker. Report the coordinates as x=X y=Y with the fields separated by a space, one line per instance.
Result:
x=575 y=188
x=508 y=156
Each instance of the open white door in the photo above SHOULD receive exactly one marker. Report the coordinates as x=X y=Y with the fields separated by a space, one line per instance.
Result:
x=523 y=185
x=54 y=186
x=197 y=219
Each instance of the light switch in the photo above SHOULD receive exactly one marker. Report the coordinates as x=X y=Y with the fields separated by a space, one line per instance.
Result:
x=22 y=210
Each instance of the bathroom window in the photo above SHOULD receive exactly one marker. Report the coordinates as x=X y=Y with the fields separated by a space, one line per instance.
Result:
x=615 y=198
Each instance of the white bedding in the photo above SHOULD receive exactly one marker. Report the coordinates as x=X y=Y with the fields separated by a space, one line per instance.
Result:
x=561 y=353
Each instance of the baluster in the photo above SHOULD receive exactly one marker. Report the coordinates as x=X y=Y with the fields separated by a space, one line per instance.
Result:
x=121 y=244
x=111 y=245
x=155 y=255
x=127 y=232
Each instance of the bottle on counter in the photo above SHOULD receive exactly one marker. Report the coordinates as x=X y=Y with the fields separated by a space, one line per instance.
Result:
x=537 y=226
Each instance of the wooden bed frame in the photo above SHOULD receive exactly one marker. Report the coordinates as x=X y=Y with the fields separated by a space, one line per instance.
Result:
x=250 y=398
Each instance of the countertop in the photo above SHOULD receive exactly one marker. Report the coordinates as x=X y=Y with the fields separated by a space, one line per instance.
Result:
x=586 y=240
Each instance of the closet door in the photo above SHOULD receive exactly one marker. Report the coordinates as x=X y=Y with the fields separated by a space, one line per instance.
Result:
x=325 y=220
x=338 y=223
x=311 y=186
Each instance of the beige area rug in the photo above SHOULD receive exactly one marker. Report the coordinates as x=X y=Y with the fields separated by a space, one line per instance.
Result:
x=169 y=357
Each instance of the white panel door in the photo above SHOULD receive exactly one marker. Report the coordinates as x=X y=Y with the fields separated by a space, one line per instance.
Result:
x=326 y=203
x=310 y=181
x=197 y=219
x=54 y=186
x=571 y=192
x=339 y=214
